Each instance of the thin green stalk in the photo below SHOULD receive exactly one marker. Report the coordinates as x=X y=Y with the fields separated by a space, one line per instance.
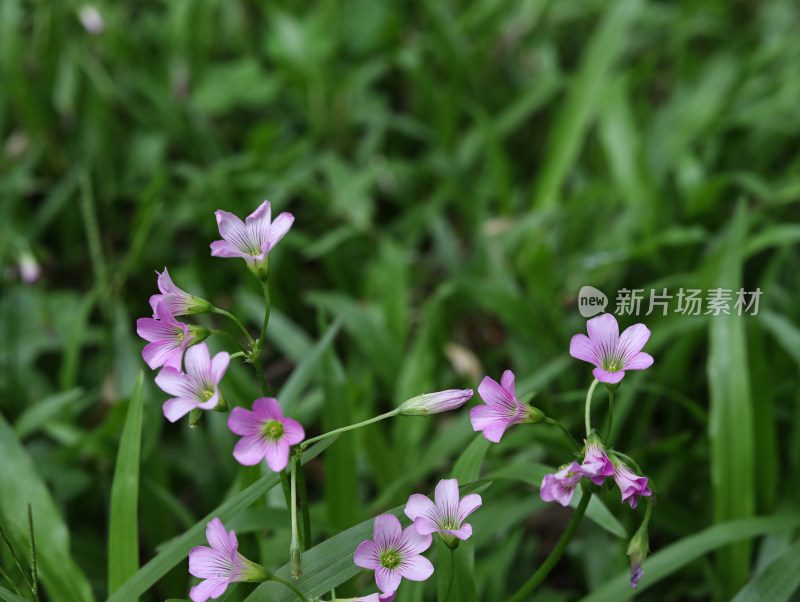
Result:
x=301 y=484
x=265 y=286
x=236 y=321
x=569 y=436
x=295 y=548
x=297 y=592
x=452 y=574
x=222 y=333
x=260 y=342
x=589 y=407
x=607 y=435
x=539 y=576
x=350 y=427
x=34 y=572
x=16 y=559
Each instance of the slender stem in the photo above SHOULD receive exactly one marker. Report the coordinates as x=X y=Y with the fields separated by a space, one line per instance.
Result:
x=452 y=574
x=350 y=427
x=222 y=333
x=301 y=484
x=34 y=572
x=295 y=547
x=265 y=286
x=537 y=578
x=260 y=342
x=236 y=321
x=589 y=407
x=607 y=435
x=287 y=493
x=288 y=584
x=238 y=354
x=572 y=439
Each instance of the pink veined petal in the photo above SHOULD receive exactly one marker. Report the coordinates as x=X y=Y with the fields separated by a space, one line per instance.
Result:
x=414 y=542
x=197 y=360
x=632 y=340
x=210 y=588
x=494 y=395
x=277 y=454
x=419 y=505
x=278 y=230
x=484 y=416
x=258 y=224
x=468 y=504
x=640 y=361
x=165 y=315
x=416 y=568
x=176 y=408
x=244 y=422
x=507 y=382
x=174 y=382
x=581 y=347
x=267 y=408
x=262 y=214
x=154 y=301
x=446 y=495
x=250 y=450
x=386 y=531
x=222 y=248
x=604 y=376
x=165 y=284
x=293 y=431
x=154 y=330
x=162 y=353
x=553 y=490
x=424 y=525
x=230 y=226
x=604 y=334
x=494 y=432
x=219 y=365
x=387 y=579
x=367 y=555
x=464 y=533
x=204 y=562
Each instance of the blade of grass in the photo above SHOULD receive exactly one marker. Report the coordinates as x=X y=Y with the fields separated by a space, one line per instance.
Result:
x=777 y=582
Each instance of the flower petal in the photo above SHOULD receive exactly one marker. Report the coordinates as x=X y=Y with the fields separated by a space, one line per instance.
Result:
x=176 y=408
x=604 y=376
x=204 y=562
x=413 y=542
x=387 y=579
x=197 y=360
x=468 y=504
x=632 y=340
x=267 y=408
x=174 y=382
x=222 y=248
x=582 y=348
x=494 y=432
x=210 y=588
x=446 y=495
x=367 y=555
x=250 y=450
x=507 y=382
x=154 y=330
x=219 y=365
x=231 y=228
x=277 y=454
x=483 y=416
x=604 y=334
x=463 y=533
x=640 y=361
x=494 y=395
x=419 y=505
x=386 y=531
x=293 y=431
x=424 y=525
x=219 y=538
x=416 y=568
x=162 y=353
x=278 y=230
x=244 y=422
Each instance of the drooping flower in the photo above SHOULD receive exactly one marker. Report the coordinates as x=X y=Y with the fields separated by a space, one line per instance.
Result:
x=175 y=300
x=168 y=338
x=560 y=487
x=252 y=239
x=638 y=548
x=630 y=485
x=447 y=515
x=502 y=408
x=394 y=553
x=266 y=434
x=221 y=564
x=198 y=387
x=434 y=403
x=609 y=351
x=596 y=464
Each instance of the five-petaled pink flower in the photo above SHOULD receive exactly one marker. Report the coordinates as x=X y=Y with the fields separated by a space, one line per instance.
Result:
x=266 y=434
x=168 y=338
x=630 y=485
x=252 y=239
x=502 y=408
x=447 y=515
x=560 y=487
x=198 y=387
x=611 y=352
x=175 y=300
x=596 y=464
x=221 y=564
x=395 y=553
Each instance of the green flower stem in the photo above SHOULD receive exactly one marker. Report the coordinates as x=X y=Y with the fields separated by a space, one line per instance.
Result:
x=607 y=434
x=288 y=584
x=295 y=547
x=265 y=286
x=589 y=407
x=350 y=427
x=537 y=578
x=236 y=321
x=238 y=354
x=260 y=342
x=569 y=436
x=222 y=333
x=301 y=484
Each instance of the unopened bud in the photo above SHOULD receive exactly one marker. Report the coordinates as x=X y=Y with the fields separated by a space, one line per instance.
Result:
x=434 y=403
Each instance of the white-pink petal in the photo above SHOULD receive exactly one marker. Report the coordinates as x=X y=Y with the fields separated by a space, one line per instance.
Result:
x=277 y=454
x=176 y=408
x=446 y=494
x=415 y=568
x=222 y=248
x=387 y=579
x=494 y=395
x=469 y=504
x=197 y=360
x=244 y=422
x=604 y=376
x=210 y=588
x=386 y=531
x=367 y=555
x=278 y=230
x=219 y=365
x=267 y=408
x=632 y=340
x=640 y=361
x=580 y=347
x=507 y=382
x=250 y=450
x=293 y=431
x=419 y=505
x=412 y=541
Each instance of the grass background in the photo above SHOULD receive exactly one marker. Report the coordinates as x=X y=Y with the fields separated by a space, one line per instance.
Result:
x=457 y=172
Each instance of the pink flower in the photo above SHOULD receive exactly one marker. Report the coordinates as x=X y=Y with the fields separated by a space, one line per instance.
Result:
x=596 y=464
x=610 y=352
x=560 y=487
x=221 y=564
x=447 y=515
x=372 y=598
x=266 y=434
x=176 y=301
x=502 y=408
x=631 y=485
x=394 y=553
x=253 y=239
x=198 y=387
x=168 y=339
x=434 y=403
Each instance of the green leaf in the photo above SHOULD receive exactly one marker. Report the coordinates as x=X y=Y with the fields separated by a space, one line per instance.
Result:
x=676 y=556
x=21 y=485
x=10 y=596
x=34 y=417
x=468 y=466
x=454 y=573
x=123 y=531
x=777 y=582
x=178 y=549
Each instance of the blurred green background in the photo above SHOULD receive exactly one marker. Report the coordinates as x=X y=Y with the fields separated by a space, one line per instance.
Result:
x=457 y=171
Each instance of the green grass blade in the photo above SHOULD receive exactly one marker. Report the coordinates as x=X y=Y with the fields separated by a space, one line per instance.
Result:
x=777 y=582
x=468 y=466
x=689 y=549
x=21 y=485
x=123 y=531
x=178 y=549
x=8 y=596
x=730 y=414
x=572 y=121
